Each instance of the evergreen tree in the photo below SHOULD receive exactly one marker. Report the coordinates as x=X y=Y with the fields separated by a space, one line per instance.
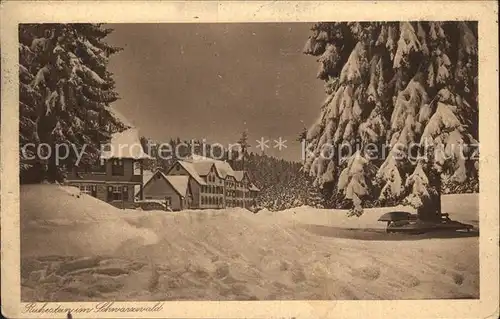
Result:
x=302 y=135
x=65 y=93
x=243 y=142
x=402 y=88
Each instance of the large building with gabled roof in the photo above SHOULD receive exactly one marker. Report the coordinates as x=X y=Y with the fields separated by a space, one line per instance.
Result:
x=209 y=184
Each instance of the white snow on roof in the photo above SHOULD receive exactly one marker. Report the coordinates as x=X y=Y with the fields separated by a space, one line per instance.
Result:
x=178 y=182
x=124 y=144
x=203 y=168
x=223 y=168
x=189 y=167
x=254 y=188
x=146 y=176
x=199 y=158
x=238 y=175
x=119 y=116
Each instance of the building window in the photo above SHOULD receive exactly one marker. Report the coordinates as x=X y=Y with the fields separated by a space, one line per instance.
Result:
x=86 y=189
x=99 y=167
x=117 y=168
x=89 y=190
x=117 y=193
x=125 y=193
x=168 y=201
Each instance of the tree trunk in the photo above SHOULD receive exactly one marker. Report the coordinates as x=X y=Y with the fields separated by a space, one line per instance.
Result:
x=53 y=174
x=431 y=210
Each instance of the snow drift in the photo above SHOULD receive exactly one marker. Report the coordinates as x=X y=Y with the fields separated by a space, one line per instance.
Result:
x=77 y=248
x=59 y=220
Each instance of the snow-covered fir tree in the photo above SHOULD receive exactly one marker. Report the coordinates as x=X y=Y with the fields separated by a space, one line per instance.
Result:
x=65 y=93
x=244 y=146
x=403 y=89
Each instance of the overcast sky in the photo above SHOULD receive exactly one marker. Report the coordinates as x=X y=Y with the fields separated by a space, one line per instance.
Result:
x=213 y=81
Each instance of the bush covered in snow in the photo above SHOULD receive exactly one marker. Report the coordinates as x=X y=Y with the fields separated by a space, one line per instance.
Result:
x=294 y=193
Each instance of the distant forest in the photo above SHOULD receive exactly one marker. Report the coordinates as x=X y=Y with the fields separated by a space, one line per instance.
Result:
x=283 y=183
x=266 y=171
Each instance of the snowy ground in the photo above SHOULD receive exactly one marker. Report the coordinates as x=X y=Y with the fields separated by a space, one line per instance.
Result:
x=75 y=247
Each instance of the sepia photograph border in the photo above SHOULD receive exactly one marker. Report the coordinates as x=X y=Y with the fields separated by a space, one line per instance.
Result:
x=485 y=12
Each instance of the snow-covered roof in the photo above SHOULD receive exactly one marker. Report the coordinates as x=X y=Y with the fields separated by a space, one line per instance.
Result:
x=119 y=116
x=223 y=169
x=189 y=167
x=238 y=175
x=178 y=182
x=146 y=176
x=124 y=144
x=203 y=168
x=202 y=163
x=198 y=158
x=254 y=188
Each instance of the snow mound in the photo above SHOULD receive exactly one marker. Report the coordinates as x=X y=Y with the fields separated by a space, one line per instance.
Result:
x=103 y=253
x=59 y=220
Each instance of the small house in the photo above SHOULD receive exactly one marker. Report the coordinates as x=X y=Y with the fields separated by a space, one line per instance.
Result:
x=174 y=190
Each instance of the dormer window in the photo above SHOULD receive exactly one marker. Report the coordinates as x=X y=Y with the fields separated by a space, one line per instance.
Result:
x=99 y=166
x=117 y=167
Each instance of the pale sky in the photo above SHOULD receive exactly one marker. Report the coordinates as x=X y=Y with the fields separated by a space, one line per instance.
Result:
x=212 y=81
